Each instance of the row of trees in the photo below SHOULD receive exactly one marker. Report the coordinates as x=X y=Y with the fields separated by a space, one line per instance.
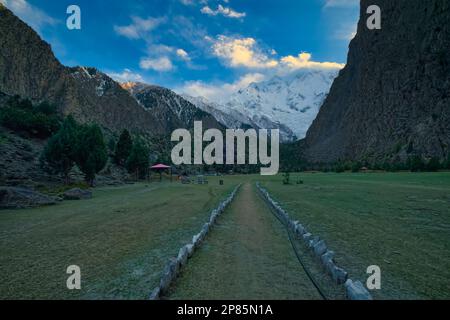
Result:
x=82 y=145
x=413 y=163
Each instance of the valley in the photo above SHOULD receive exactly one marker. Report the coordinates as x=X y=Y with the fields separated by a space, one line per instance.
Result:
x=123 y=237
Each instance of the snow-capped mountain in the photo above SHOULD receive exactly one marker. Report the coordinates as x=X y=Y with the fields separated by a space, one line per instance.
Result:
x=234 y=119
x=290 y=102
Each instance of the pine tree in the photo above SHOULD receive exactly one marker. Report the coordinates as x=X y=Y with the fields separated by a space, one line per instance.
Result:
x=123 y=148
x=138 y=161
x=91 y=154
x=60 y=151
x=433 y=165
x=447 y=164
x=415 y=164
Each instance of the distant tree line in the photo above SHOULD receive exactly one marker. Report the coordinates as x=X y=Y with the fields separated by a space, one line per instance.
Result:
x=413 y=163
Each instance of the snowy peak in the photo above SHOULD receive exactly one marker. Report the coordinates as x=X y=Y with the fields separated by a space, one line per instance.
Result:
x=292 y=100
x=234 y=119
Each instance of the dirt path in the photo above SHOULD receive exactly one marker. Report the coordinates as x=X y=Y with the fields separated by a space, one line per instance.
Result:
x=247 y=256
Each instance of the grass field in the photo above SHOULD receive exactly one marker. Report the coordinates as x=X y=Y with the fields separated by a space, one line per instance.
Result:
x=398 y=221
x=121 y=239
x=247 y=256
x=124 y=236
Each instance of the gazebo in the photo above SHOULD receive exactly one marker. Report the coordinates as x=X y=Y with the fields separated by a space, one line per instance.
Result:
x=160 y=168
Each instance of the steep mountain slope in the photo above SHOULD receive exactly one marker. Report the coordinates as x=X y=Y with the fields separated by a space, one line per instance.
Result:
x=392 y=98
x=173 y=110
x=28 y=68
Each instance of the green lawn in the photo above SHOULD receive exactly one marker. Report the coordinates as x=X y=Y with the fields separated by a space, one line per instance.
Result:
x=121 y=239
x=398 y=221
x=124 y=236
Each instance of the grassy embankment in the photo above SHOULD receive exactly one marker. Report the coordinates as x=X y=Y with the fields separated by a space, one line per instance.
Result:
x=121 y=239
x=398 y=221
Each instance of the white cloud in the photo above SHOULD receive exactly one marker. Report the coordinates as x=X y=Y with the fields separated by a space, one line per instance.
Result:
x=219 y=91
x=139 y=28
x=247 y=53
x=194 y=2
x=32 y=15
x=303 y=60
x=161 y=64
x=126 y=76
x=241 y=52
x=183 y=55
x=224 y=11
x=341 y=3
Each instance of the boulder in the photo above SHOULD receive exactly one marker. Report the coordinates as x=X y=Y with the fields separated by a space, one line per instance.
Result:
x=18 y=198
x=205 y=230
x=183 y=256
x=300 y=230
x=320 y=248
x=197 y=240
x=355 y=290
x=307 y=236
x=156 y=293
x=327 y=258
x=339 y=275
x=214 y=216
x=77 y=194
x=190 y=250
x=169 y=274
x=313 y=242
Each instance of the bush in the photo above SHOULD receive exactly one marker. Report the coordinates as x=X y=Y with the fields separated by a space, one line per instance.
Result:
x=40 y=121
x=416 y=164
x=286 y=178
x=60 y=151
x=433 y=165
x=356 y=167
x=138 y=161
x=91 y=154
x=447 y=162
x=123 y=148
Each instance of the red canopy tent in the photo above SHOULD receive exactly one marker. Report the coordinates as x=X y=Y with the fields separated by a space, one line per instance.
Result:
x=160 y=168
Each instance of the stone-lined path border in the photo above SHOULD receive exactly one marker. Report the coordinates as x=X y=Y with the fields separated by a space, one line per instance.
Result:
x=355 y=290
x=174 y=266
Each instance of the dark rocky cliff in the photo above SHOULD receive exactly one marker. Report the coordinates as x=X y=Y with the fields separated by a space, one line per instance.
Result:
x=174 y=111
x=392 y=98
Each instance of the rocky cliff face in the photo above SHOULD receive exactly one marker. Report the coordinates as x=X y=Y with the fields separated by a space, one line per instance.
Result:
x=28 y=68
x=173 y=110
x=392 y=98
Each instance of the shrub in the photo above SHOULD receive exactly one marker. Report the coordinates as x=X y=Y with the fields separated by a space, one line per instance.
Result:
x=356 y=166
x=415 y=164
x=286 y=178
x=40 y=121
x=123 y=148
x=60 y=151
x=138 y=161
x=433 y=165
x=91 y=154
x=447 y=162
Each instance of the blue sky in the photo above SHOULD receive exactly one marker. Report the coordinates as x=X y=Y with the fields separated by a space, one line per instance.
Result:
x=200 y=46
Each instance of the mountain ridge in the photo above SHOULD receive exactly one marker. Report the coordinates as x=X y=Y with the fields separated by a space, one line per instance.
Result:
x=28 y=68
x=391 y=100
